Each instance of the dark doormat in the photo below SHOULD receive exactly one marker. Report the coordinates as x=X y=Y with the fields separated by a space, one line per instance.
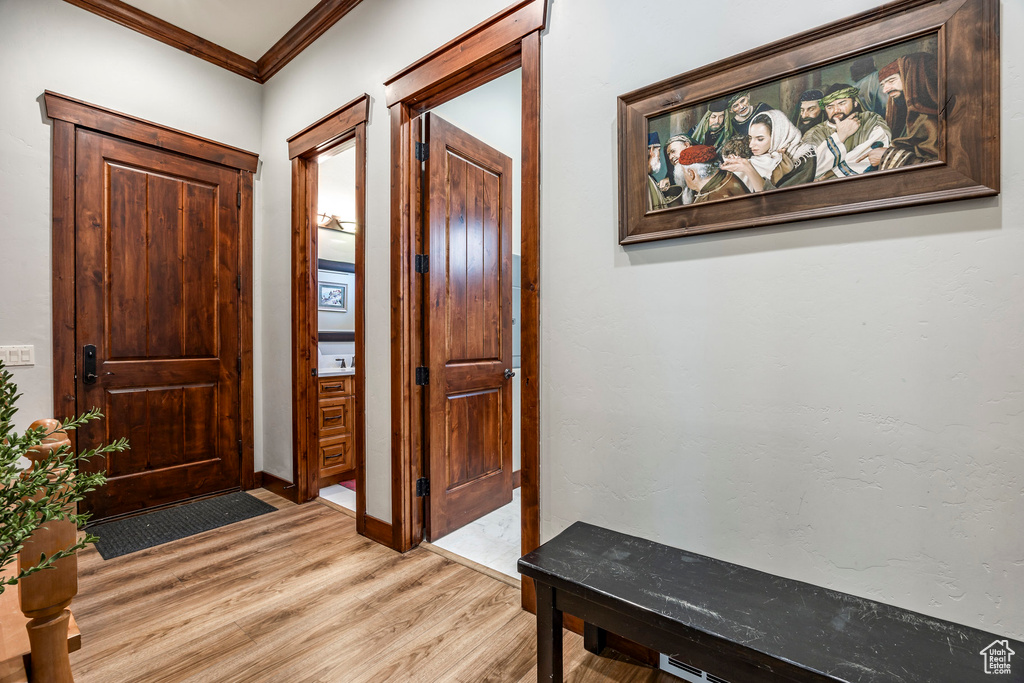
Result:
x=154 y=528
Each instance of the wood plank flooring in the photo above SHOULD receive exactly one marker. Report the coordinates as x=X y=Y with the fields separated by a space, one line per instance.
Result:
x=296 y=595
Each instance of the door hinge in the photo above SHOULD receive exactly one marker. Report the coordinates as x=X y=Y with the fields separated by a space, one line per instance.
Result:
x=422 y=263
x=239 y=446
x=239 y=365
x=422 y=487
x=238 y=283
x=239 y=199
x=422 y=151
x=422 y=376
x=313 y=372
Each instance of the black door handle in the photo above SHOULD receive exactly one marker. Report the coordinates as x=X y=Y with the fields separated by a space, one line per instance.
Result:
x=89 y=364
x=509 y=374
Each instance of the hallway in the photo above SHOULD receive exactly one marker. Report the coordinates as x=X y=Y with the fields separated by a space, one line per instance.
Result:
x=297 y=595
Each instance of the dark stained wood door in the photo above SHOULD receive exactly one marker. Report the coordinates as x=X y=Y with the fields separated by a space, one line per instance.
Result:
x=469 y=327
x=157 y=295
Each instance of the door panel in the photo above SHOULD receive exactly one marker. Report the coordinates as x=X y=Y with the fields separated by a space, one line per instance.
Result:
x=472 y=419
x=469 y=327
x=156 y=261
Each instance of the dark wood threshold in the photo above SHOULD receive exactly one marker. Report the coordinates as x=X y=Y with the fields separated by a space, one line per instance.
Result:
x=324 y=15
x=277 y=485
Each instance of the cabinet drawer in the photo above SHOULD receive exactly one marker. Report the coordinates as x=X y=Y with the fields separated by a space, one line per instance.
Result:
x=336 y=453
x=337 y=386
x=336 y=414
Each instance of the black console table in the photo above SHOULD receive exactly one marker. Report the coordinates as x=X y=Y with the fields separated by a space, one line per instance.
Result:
x=739 y=624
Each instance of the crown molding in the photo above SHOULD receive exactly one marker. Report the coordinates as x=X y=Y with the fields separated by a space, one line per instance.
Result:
x=324 y=15
x=316 y=22
x=169 y=34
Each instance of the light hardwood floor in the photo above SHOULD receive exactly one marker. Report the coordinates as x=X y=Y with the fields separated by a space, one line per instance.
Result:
x=296 y=595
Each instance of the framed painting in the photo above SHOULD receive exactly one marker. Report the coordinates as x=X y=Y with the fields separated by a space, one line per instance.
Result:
x=897 y=106
x=333 y=296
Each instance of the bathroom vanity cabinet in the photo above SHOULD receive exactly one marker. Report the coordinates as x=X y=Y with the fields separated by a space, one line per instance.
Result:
x=337 y=436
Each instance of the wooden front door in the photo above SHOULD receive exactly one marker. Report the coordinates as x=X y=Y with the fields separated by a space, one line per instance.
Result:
x=157 y=305
x=469 y=327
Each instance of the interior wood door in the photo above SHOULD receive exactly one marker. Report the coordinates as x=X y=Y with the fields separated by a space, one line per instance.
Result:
x=157 y=296
x=468 y=215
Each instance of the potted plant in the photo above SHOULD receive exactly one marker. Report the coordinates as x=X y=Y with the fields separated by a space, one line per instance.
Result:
x=40 y=485
x=34 y=493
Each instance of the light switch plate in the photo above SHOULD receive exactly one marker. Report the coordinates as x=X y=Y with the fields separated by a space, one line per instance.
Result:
x=18 y=355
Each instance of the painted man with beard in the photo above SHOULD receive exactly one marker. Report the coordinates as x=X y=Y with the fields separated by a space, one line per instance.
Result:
x=847 y=136
x=865 y=79
x=741 y=111
x=712 y=130
x=911 y=82
x=698 y=168
x=808 y=112
x=657 y=167
x=673 y=148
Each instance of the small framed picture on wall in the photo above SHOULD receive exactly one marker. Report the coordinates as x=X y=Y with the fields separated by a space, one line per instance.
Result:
x=333 y=296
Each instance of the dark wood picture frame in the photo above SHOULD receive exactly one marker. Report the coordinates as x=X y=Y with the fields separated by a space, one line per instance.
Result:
x=968 y=166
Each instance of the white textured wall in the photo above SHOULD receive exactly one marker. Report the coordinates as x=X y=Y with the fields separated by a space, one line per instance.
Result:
x=51 y=45
x=837 y=401
x=372 y=42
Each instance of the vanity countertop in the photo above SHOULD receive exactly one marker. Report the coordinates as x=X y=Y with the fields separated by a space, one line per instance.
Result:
x=335 y=372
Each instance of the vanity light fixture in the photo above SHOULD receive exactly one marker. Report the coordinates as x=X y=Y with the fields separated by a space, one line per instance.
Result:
x=330 y=222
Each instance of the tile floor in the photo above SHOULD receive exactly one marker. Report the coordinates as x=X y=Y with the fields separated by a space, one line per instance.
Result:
x=340 y=495
x=492 y=540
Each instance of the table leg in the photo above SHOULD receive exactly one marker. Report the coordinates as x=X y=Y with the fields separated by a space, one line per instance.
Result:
x=593 y=638
x=549 y=636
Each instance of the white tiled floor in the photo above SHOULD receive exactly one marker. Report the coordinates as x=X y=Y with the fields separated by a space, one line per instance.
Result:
x=340 y=495
x=492 y=540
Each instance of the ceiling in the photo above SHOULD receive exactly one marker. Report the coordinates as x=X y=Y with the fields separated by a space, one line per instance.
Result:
x=247 y=27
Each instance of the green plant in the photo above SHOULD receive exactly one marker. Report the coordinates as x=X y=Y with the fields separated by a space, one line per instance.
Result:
x=31 y=498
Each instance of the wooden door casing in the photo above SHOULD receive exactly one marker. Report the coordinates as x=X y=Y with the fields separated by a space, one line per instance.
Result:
x=468 y=327
x=157 y=293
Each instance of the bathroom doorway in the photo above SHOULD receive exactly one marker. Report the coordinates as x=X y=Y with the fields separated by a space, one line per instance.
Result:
x=328 y=219
x=507 y=41
x=471 y=188
x=336 y=313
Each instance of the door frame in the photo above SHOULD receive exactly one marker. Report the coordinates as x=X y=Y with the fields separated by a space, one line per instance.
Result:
x=497 y=46
x=69 y=115
x=304 y=149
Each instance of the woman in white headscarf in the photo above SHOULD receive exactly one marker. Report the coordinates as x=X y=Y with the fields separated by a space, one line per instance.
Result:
x=780 y=158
